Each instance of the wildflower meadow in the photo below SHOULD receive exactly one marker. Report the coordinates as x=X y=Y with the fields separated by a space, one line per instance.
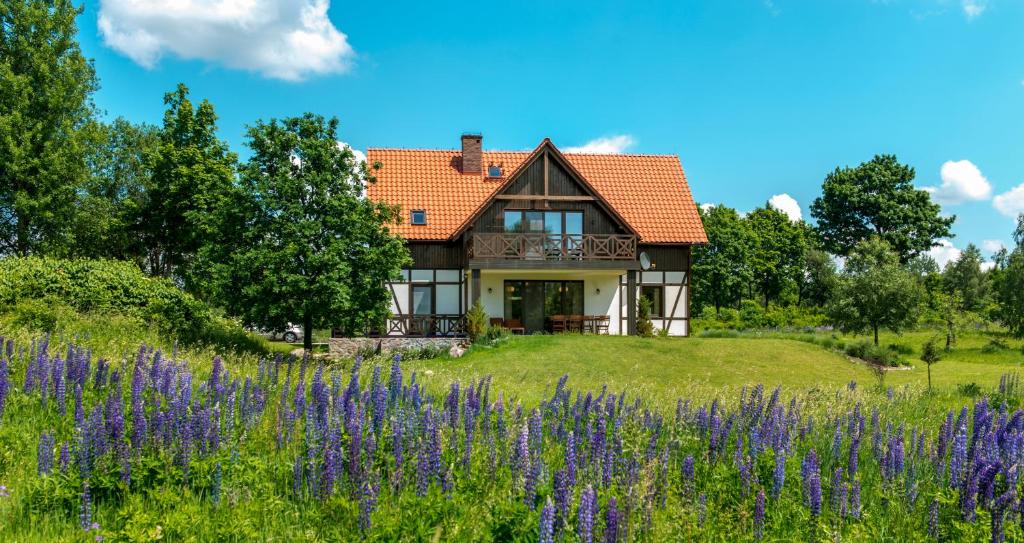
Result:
x=146 y=448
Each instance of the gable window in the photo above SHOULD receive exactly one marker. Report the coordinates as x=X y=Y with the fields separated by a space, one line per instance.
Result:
x=418 y=216
x=655 y=295
x=493 y=171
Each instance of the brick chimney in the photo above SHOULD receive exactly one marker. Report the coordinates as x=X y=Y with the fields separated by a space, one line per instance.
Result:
x=472 y=153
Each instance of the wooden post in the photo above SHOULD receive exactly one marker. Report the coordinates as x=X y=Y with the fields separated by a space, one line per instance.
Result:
x=631 y=302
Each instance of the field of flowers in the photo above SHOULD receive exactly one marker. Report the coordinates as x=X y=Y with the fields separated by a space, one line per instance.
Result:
x=147 y=448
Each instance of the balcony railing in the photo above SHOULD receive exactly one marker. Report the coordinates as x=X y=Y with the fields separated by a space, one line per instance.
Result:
x=424 y=325
x=580 y=247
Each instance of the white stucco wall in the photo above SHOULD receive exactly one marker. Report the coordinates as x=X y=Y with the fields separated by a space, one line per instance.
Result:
x=605 y=302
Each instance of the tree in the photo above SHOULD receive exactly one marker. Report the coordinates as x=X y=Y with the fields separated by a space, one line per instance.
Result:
x=817 y=280
x=777 y=251
x=309 y=247
x=878 y=198
x=930 y=355
x=875 y=291
x=720 y=268
x=1010 y=292
x=644 y=326
x=46 y=86
x=965 y=278
x=110 y=202
x=192 y=182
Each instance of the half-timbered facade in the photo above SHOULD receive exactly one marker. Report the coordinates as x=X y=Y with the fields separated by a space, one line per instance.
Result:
x=542 y=239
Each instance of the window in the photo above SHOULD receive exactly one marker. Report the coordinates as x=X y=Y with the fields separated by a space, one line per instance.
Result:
x=418 y=216
x=422 y=299
x=655 y=295
x=493 y=171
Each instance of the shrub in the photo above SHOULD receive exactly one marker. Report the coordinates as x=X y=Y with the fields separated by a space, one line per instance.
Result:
x=994 y=346
x=38 y=315
x=644 y=326
x=969 y=389
x=476 y=322
x=882 y=356
x=111 y=287
x=905 y=350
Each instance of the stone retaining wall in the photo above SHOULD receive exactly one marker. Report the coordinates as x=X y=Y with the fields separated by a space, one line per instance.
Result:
x=347 y=347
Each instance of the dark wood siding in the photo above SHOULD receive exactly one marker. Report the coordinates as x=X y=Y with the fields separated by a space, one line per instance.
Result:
x=560 y=183
x=668 y=257
x=437 y=255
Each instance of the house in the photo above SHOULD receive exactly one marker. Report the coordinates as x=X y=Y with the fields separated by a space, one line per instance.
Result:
x=545 y=240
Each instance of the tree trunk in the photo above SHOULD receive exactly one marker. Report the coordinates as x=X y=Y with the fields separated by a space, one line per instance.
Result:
x=875 y=328
x=929 y=377
x=307 y=331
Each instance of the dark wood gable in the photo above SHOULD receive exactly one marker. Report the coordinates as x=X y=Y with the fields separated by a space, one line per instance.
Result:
x=560 y=190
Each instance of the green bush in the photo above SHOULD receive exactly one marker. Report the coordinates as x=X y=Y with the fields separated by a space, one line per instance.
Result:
x=39 y=289
x=644 y=326
x=876 y=354
x=39 y=315
x=476 y=322
x=994 y=345
x=752 y=316
x=905 y=350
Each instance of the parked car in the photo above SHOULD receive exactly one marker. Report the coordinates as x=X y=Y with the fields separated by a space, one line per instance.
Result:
x=291 y=334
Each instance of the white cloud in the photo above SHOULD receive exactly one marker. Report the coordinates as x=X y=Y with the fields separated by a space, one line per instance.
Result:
x=987 y=265
x=706 y=207
x=611 y=145
x=973 y=8
x=1011 y=202
x=992 y=245
x=944 y=252
x=786 y=204
x=281 y=39
x=359 y=155
x=962 y=181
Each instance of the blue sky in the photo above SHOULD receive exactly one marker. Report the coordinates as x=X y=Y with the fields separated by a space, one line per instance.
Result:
x=758 y=98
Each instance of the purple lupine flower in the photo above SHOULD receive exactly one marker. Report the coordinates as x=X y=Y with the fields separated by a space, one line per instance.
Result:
x=814 y=494
x=855 y=499
x=759 y=515
x=422 y=469
x=367 y=503
x=779 y=478
x=5 y=384
x=64 y=461
x=561 y=490
x=547 y=523
x=395 y=380
x=933 y=519
x=688 y=474
x=570 y=458
x=44 y=454
x=297 y=485
x=585 y=515
x=85 y=507
x=611 y=524
x=837 y=440
x=854 y=458
x=838 y=490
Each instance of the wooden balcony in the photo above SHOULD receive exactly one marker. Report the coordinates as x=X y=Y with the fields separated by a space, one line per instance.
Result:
x=423 y=325
x=552 y=247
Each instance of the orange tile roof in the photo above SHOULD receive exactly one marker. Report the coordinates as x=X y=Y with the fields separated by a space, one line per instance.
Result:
x=649 y=191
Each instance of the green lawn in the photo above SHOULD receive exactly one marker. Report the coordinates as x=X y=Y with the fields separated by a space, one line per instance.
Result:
x=667 y=368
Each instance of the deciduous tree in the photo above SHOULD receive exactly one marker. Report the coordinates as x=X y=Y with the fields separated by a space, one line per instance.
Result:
x=875 y=291
x=777 y=253
x=310 y=249
x=46 y=85
x=721 y=270
x=192 y=182
x=878 y=198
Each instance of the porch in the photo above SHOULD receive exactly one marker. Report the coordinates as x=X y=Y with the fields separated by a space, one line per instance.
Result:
x=551 y=301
